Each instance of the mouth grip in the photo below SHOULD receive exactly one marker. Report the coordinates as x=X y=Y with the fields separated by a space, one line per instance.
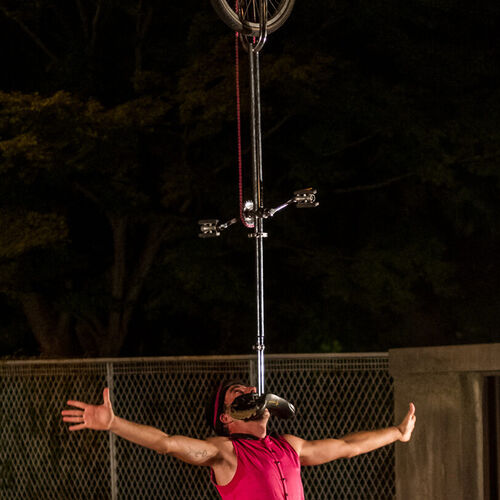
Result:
x=251 y=407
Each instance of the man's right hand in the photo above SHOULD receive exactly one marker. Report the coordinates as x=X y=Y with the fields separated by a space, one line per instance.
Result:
x=98 y=418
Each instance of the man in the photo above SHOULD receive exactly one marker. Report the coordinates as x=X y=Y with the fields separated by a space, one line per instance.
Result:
x=245 y=462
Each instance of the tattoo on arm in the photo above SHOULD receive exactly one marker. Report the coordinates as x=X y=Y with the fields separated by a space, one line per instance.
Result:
x=197 y=453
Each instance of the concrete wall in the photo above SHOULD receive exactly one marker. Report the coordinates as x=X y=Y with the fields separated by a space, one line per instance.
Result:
x=444 y=459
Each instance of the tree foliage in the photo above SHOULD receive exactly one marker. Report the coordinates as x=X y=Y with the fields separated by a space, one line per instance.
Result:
x=117 y=134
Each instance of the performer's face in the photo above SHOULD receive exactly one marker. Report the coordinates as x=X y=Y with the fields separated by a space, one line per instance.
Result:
x=237 y=390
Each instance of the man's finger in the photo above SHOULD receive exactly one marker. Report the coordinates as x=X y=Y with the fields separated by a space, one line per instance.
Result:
x=105 y=396
x=76 y=427
x=411 y=410
x=74 y=420
x=72 y=413
x=77 y=404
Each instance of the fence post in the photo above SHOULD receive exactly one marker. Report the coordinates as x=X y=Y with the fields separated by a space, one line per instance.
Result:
x=112 y=437
x=252 y=373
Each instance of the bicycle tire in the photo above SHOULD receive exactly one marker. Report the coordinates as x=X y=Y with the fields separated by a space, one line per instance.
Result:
x=278 y=12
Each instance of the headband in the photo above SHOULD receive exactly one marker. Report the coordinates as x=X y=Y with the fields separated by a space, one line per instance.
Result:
x=216 y=406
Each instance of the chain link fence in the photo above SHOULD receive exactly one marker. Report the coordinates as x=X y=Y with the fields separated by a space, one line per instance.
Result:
x=40 y=459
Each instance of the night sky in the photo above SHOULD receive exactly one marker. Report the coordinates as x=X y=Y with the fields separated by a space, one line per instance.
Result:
x=118 y=133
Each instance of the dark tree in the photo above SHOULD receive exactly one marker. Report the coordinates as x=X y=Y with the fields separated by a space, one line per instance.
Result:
x=117 y=132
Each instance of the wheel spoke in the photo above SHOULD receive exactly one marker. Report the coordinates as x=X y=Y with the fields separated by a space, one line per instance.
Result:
x=274 y=4
x=251 y=11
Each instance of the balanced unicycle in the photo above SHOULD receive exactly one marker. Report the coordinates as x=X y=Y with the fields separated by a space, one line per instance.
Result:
x=252 y=20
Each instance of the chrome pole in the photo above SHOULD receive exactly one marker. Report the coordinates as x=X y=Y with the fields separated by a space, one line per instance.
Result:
x=258 y=199
x=258 y=202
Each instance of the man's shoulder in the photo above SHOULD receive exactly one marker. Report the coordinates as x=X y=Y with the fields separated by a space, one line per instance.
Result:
x=288 y=437
x=294 y=441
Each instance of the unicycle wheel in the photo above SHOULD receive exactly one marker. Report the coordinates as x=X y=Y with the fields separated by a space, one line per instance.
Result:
x=278 y=12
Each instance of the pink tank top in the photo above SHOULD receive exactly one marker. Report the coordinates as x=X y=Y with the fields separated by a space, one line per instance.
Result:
x=268 y=469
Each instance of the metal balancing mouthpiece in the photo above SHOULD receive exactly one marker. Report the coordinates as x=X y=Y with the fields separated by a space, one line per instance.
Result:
x=251 y=407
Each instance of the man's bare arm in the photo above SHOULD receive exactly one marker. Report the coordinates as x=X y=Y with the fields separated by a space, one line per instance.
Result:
x=190 y=450
x=326 y=450
x=102 y=417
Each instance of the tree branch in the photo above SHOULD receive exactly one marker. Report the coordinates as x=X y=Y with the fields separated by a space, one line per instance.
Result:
x=95 y=326
x=276 y=127
x=478 y=158
x=154 y=240
x=50 y=329
x=66 y=27
x=141 y=27
x=119 y=230
x=371 y=187
x=271 y=131
x=351 y=145
x=88 y=194
x=30 y=34
x=95 y=22
x=84 y=18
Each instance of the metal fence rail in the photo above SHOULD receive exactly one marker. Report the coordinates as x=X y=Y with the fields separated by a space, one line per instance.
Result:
x=40 y=459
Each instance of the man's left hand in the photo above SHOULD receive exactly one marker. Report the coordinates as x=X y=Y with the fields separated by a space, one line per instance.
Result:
x=408 y=424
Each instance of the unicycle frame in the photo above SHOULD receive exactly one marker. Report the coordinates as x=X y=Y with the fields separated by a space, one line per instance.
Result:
x=253 y=50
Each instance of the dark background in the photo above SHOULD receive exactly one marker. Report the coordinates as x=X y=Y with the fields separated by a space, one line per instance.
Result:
x=118 y=132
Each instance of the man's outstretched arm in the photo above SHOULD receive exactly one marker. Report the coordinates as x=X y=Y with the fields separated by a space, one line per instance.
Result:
x=102 y=417
x=326 y=450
